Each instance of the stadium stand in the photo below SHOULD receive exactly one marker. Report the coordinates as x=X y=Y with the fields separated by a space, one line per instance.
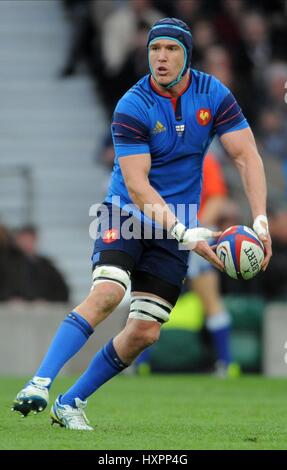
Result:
x=51 y=129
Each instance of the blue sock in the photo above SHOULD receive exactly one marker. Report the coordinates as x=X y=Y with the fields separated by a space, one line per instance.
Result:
x=219 y=327
x=105 y=365
x=72 y=334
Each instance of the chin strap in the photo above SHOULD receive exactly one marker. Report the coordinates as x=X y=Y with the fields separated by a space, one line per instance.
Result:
x=177 y=80
x=171 y=84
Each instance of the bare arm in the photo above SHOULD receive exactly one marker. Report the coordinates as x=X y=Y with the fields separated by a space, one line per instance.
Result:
x=135 y=170
x=242 y=148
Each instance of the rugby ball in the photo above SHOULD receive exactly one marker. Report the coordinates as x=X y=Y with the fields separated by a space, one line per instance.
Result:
x=241 y=252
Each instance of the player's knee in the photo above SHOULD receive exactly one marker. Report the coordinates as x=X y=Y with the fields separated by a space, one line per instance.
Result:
x=145 y=337
x=107 y=297
x=147 y=314
x=109 y=286
x=150 y=337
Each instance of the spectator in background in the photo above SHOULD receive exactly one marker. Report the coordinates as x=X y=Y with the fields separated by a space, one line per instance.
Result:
x=87 y=18
x=272 y=132
x=279 y=31
x=38 y=278
x=11 y=259
x=204 y=36
x=4 y=237
x=122 y=37
x=256 y=51
x=24 y=274
x=188 y=11
x=132 y=69
x=166 y=6
x=273 y=121
x=276 y=78
x=82 y=37
x=274 y=282
x=120 y=30
x=217 y=61
x=227 y=22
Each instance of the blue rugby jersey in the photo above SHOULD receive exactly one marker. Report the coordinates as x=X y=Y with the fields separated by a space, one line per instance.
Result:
x=176 y=135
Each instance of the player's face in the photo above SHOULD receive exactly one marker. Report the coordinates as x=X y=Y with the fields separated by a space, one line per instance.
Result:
x=166 y=59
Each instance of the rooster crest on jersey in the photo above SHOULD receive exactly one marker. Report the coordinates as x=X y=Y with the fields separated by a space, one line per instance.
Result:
x=241 y=252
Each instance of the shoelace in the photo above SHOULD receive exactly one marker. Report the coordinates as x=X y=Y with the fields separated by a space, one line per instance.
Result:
x=77 y=416
x=27 y=391
x=39 y=387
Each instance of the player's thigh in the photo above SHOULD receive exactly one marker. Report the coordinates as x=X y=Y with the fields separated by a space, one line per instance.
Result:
x=111 y=237
x=161 y=270
x=113 y=259
x=157 y=281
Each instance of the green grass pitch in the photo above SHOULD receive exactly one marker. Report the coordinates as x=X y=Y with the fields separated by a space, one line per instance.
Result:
x=160 y=412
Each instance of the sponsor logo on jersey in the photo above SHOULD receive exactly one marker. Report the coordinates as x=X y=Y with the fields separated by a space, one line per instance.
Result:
x=203 y=116
x=180 y=129
x=158 y=128
x=111 y=235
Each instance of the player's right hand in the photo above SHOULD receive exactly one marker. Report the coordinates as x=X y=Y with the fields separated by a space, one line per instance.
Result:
x=191 y=236
x=196 y=239
x=203 y=249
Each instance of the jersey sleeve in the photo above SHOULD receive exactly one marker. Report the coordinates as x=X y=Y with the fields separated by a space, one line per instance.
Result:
x=228 y=116
x=130 y=128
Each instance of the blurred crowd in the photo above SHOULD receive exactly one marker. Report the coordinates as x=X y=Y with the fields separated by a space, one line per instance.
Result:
x=242 y=43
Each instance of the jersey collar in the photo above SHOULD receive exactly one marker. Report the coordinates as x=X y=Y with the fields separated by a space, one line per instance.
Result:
x=158 y=91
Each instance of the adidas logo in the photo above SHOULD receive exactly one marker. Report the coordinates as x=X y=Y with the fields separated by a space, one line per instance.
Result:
x=159 y=127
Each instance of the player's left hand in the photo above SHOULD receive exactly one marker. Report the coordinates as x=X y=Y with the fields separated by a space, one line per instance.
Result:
x=260 y=227
x=266 y=240
x=203 y=249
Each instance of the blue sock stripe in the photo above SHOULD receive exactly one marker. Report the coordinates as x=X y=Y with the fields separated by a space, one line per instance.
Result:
x=113 y=354
x=110 y=361
x=77 y=325
x=82 y=321
x=79 y=322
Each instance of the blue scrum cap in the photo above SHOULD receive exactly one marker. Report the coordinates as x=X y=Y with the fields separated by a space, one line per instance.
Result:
x=172 y=28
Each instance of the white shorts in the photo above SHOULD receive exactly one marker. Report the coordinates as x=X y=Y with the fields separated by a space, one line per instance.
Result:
x=197 y=265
